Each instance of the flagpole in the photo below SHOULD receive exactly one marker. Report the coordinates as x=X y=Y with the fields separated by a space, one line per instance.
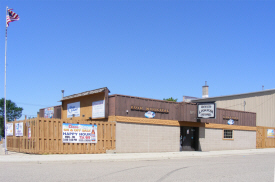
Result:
x=5 y=106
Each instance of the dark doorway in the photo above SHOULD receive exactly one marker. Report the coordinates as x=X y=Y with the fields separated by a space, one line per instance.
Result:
x=189 y=138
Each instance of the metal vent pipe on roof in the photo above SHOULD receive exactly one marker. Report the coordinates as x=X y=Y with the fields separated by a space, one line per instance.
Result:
x=62 y=93
x=205 y=90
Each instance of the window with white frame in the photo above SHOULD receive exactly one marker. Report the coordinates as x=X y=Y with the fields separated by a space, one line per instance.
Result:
x=227 y=134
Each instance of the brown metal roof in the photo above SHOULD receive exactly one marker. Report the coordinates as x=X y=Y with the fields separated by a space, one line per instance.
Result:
x=149 y=99
x=85 y=93
x=250 y=94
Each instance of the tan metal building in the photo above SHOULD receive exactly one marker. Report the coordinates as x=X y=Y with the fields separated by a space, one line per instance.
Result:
x=261 y=102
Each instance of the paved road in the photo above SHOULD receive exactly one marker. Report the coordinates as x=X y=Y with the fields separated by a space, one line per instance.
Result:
x=258 y=167
x=232 y=165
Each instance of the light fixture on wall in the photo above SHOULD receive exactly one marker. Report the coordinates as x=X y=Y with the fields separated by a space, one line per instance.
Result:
x=127 y=111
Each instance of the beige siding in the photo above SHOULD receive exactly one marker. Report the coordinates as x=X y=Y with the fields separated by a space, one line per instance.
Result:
x=263 y=105
x=212 y=139
x=131 y=137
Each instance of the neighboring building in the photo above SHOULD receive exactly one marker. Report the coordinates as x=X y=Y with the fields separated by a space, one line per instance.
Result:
x=189 y=99
x=261 y=102
x=149 y=125
x=50 y=112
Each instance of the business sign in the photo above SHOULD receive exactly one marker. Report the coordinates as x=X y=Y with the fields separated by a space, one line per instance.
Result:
x=149 y=114
x=230 y=122
x=156 y=110
x=9 y=129
x=270 y=133
x=19 y=129
x=207 y=110
x=48 y=112
x=79 y=133
x=98 y=109
x=73 y=109
x=230 y=117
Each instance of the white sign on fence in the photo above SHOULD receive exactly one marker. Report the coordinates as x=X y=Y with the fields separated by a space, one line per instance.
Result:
x=79 y=133
x=73 y=108
x=29 y=133
x=19 y=129
x=9 y=129
x=98 y=109
x=270 y=133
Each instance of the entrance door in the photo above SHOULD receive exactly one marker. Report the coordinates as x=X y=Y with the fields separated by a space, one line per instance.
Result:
x=188 y=138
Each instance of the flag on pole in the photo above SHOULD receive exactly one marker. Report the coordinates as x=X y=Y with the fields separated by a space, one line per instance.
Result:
x=11 y=16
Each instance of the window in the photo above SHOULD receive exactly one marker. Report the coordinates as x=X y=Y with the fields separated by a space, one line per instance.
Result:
x=227 y=134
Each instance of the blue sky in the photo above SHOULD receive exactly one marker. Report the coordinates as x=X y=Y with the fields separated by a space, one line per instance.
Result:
x=152 y=49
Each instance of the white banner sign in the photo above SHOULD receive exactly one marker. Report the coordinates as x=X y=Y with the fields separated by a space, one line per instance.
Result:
x=9 y=129
x=29 y=133
x=19 y=129
x=73 y=108
x=98 y=109
x=206 y=110
x=270 y=133
x=79 y=133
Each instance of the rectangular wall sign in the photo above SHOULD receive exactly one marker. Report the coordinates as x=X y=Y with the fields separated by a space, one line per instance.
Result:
x=98 y=109
x=48 y=112
x=207 y=110
x=73 y=109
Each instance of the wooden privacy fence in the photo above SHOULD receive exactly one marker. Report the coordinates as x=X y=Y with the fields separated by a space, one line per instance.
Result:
x=46 y=137
x=264 y=137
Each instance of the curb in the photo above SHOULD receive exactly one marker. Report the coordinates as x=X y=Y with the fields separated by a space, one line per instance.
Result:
x=14 y=157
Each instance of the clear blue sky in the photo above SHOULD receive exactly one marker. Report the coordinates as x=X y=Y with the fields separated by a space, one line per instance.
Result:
x=152 y=49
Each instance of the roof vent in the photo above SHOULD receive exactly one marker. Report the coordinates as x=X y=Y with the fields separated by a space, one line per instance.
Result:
x=205 y=90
